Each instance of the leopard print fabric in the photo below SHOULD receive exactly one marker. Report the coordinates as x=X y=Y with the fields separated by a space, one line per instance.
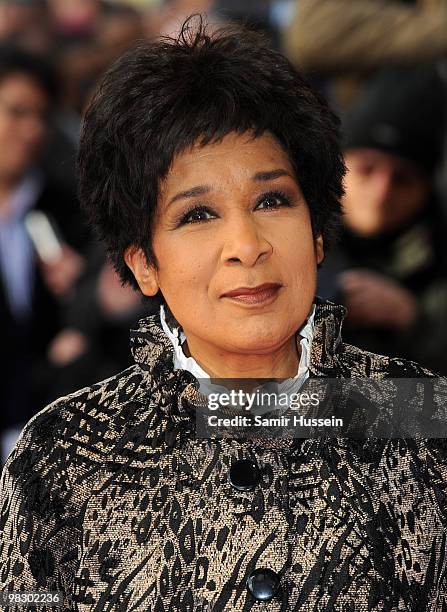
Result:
x=109 y=497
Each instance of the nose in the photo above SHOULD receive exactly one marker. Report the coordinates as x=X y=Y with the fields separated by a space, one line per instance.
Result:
x=35 y=130
x=382 y=186
x=31 y=128
x=244 y=242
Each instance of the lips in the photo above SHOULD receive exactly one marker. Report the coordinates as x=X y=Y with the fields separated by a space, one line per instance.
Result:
x=242 y=291
x=254 y=296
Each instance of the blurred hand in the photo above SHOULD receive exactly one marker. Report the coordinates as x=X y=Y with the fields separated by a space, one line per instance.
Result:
x=61 y=275
x=113 y=298
x=68 y=345
x=373 y=299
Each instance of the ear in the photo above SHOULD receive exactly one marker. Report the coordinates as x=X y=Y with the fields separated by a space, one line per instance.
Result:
x=319 y=250
x=145 y=274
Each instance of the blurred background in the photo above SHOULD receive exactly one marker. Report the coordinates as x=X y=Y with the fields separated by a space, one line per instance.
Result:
x=64 y=316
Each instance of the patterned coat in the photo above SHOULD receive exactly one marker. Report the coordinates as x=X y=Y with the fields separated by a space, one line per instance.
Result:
x=110 y=498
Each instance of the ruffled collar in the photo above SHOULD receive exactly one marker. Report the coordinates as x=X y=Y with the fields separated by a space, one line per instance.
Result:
x=182 y=362
x=176 y=391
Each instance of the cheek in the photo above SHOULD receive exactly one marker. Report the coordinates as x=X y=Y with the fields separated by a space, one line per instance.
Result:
x=295 y=247
x=183 y=265
x=298 y=269
x=404 y=203
x=7 y=132
x=414 y=199
x=357 y=187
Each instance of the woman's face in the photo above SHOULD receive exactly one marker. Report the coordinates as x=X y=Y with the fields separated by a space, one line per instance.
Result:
x=232 y=215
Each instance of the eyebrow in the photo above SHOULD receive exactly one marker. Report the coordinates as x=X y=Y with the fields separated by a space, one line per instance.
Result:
x=190 y=193
x=271 y=175
x=202 y=189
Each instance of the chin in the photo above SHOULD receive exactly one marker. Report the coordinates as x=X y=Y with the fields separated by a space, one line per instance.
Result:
x=258 y=339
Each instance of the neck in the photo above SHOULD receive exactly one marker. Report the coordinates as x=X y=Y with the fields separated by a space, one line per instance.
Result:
x=281 y=363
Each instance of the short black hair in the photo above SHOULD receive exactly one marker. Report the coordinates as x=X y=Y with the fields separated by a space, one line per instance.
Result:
x=37 y=66
x=165 y=95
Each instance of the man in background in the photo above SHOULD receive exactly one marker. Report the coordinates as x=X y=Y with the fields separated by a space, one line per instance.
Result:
x=390 y=267
x=32 y=291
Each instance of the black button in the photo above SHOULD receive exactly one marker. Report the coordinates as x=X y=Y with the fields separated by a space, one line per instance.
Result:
x=263 y=583
x=244 y=475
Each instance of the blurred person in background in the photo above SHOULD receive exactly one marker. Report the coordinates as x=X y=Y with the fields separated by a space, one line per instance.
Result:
x=166 y=19
x=31 y=292
x=120 y=27
x=347 y=40
x=75 y=24
x=256 y=14
x=85 y=44
x=266 y=16
x=74 y=20
x=94 y=343
x=26 y=23
x=390 y=268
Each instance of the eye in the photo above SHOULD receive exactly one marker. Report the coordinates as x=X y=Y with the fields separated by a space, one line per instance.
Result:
x=366 y=169
x=197 y=214
x=274 y=199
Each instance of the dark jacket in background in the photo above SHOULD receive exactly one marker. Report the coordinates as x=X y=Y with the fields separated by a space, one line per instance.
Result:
x=26 y=373
x=415 y=256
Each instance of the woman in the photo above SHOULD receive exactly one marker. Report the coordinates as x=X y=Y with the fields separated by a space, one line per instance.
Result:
x=214 y=175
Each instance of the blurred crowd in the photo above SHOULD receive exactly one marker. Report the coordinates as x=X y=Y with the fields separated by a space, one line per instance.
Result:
x=64 y=316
